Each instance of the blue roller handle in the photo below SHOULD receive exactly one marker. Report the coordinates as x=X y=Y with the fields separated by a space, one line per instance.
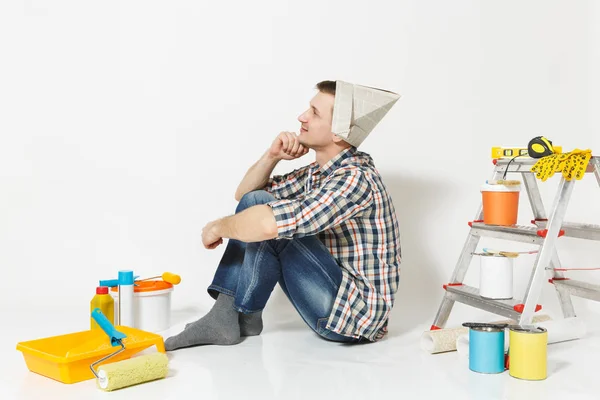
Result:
x=109 y=283
x=114 y=335
x=112 y=282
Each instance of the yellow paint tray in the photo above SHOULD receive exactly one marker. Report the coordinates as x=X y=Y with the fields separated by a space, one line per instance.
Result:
x=67 y=358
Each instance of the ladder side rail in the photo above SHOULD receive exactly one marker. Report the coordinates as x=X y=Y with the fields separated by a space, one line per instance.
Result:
x=539 y=213
x=547 y=249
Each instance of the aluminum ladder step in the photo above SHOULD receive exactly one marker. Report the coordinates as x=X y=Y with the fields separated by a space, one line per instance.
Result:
x=518 y=233
x=576 y=230
x=578 y=288
x=469 y=295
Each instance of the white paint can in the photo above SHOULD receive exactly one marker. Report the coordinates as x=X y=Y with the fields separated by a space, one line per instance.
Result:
x=151 y=305
x=496 y=277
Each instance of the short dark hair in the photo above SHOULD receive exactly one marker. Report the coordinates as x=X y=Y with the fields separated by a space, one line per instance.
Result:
x=327 y=87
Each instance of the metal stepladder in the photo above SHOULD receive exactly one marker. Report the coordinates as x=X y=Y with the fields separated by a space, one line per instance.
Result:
x=544 y=231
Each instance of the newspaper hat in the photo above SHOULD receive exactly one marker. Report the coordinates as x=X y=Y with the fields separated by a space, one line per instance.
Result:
x=358 y=109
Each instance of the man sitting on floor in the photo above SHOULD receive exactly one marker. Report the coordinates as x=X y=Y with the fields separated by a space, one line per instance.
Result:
x=327 y=232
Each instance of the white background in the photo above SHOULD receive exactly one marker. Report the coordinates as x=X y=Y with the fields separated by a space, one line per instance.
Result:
x=126 y=126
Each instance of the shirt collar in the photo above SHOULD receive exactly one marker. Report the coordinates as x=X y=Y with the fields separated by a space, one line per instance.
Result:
x=332 y=164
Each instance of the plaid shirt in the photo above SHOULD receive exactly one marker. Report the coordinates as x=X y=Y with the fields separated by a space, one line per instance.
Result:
x=346 y=204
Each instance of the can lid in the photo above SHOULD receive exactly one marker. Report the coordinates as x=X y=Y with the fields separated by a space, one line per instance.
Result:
x=527 y=328
x=126 y=278
x=102 y=290
x=485 y=327
x=495 y=187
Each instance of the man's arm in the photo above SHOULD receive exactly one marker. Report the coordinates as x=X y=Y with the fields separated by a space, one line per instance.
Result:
x=285 y=147
x=254 y=224
x=257 y=176
x=344 y=196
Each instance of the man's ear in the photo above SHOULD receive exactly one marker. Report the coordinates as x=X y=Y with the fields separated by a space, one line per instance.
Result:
x=336 y=138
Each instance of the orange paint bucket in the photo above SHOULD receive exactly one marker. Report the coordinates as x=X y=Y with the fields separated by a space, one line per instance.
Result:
x=500 y=204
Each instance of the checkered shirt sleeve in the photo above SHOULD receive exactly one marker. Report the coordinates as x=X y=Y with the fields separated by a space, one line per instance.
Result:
x=344 y=195
x=289 y=185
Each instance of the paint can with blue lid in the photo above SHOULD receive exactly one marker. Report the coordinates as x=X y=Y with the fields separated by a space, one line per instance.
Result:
x=486 y=347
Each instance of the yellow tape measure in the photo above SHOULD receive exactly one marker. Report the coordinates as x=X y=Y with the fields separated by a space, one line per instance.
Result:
x=539 y=147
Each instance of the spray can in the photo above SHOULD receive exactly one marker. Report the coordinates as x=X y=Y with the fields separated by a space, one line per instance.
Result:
x=126 y=281
x=105 y=303
x=528 y=352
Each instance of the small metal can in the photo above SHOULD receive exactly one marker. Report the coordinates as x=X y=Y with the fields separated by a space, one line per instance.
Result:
x=486 y=349
x=496 y=277
x=527 y=351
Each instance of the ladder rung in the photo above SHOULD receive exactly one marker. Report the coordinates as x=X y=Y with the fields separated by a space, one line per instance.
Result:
x=576 y=230
x=470 y=296
x=579 y=288
x=519 y=233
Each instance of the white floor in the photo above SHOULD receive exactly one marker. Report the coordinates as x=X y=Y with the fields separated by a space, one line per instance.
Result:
x=289 y=362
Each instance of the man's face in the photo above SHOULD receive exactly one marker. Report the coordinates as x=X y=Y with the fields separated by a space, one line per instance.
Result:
x=315 y=128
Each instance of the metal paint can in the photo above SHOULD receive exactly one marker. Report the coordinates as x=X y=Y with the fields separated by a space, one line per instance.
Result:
x=496 y=277
x=486 y=349
x=527 y=352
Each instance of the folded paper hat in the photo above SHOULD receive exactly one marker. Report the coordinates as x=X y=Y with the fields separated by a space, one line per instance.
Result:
x=358 y=109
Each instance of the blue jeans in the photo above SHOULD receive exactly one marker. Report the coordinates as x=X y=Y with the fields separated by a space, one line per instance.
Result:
x=306 y=271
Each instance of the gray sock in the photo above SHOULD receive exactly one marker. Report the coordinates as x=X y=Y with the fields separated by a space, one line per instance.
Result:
x=220 y=327
x=251 y=324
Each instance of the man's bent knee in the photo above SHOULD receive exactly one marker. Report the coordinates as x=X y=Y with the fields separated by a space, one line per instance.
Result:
x=324 y=333
x=254 y=198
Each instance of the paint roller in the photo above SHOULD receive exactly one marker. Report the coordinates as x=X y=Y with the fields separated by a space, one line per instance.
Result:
x=128 y=372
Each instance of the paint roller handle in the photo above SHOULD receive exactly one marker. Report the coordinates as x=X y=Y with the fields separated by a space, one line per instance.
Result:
x=167 y=277
x=109 y=282
x=171 y=278
x=108 y=328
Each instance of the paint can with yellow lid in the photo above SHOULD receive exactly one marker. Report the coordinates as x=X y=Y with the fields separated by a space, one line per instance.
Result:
x=527 y=352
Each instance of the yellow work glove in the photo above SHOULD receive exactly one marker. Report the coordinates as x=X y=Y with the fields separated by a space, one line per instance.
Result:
x=572 y=165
